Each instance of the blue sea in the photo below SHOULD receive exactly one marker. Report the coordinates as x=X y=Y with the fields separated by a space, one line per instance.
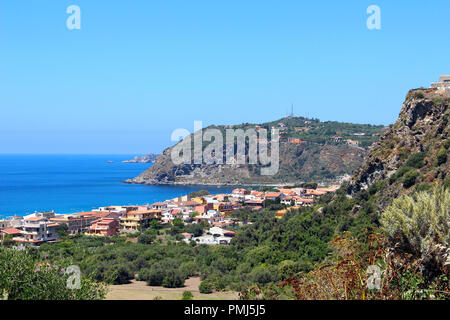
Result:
x=74 y=183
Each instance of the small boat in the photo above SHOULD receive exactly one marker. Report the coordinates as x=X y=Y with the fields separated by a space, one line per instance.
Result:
x=109 y=161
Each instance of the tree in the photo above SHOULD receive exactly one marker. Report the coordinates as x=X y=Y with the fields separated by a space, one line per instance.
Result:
x=155 y=277
x=155 y=225
x=205 y=287
x=146 y=238
x=61 y=230
x=119 y=274
x=177 y=226
x=173 y=279
x=23 y=277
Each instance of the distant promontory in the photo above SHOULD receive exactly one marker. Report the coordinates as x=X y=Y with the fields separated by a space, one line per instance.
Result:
x=147 y=158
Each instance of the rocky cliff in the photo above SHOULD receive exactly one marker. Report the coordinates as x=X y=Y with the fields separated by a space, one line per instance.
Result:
x=413 y=154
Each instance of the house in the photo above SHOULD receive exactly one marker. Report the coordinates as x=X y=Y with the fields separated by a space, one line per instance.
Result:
x=211 y=216
x=35 y=231
x=204 y=208
x=443 y=85
x=273 y=195
x=253 y=203
x=105 y=227
x=351 y=142
x=138 y=220
x=311 y=193
x=11 y=231
x=444 y=79
x=239 y=192
x=257 y=193
x=76 y=223
x=304 y=202
x=222 y=197
x=287 y=200
x=226 y=207
x=121 y=210
x=199 y=200
x=336 y=138
x=288 y=192
x=159 y=205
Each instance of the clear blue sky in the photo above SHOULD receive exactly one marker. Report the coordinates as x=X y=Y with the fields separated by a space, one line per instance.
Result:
x=137 y=70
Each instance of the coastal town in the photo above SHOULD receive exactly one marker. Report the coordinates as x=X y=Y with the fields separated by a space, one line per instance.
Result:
x=213 y=211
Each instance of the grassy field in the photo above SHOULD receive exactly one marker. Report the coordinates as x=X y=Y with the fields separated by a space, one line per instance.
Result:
x=139 y=290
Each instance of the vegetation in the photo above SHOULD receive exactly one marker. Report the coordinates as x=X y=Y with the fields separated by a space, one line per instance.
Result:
x=408 y=258
x=24 y=276
x=187 y=295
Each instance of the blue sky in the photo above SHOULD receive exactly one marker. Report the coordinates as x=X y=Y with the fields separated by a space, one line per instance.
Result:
x=137 y=70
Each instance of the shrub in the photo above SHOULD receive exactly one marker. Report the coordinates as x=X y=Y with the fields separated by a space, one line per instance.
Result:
x=398 y=174
x=419 y=94
x=205 y=287
x=409 y=179
x=442 y=156
x=419 y=222
x=261 y=275
x=447 y=144
x=416 y=160
x=187 y=295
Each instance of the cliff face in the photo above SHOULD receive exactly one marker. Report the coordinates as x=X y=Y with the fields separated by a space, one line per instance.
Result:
x=413 y=153
x=316 y=159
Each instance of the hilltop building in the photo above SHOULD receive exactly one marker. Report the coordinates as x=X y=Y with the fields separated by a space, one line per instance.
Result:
x=443 y=85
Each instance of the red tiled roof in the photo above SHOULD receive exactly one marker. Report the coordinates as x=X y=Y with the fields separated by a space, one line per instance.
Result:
x=11 y=231
x=53 y=225
x=35 y=219
x=273 y=194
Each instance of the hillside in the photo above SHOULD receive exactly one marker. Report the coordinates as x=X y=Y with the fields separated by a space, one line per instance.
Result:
x=412 y=154
x=310 y=150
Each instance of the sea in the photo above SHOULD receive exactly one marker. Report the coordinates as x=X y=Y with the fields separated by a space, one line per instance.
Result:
x=77 y=183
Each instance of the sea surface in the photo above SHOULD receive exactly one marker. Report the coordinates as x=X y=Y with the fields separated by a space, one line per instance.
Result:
x=75 y=183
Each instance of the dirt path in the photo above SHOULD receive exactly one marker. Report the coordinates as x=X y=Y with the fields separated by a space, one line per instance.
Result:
x=138 y=290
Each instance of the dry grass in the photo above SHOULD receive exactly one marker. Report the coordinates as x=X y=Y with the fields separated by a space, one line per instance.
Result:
x=139 y=290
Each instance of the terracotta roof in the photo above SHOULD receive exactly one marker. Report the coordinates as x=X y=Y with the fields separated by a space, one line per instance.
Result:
x=52 y=225
x=273 y=194
x=35 y=219
x=189 y=203
x=11 y=231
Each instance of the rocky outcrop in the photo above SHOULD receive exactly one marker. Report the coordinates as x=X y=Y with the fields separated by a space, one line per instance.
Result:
x=147 y=158
x=412 y=153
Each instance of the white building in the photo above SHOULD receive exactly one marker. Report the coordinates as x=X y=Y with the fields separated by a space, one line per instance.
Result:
x=35 y=231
